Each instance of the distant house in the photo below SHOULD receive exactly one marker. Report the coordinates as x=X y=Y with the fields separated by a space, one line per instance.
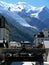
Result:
x=41 y=37
x=13 y=44
x=26 y=44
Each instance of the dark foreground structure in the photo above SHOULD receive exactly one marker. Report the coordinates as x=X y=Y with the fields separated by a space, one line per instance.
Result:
x=22 y=54
x=26 y=52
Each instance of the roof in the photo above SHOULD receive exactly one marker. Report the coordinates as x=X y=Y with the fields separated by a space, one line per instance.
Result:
x=14 y=42
x=27 y=42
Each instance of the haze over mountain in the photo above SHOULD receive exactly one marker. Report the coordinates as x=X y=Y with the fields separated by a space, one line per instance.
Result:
x=24 y=20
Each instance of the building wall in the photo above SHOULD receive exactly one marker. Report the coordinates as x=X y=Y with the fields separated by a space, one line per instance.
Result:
x=46 y=32
x=4 y=29
x=4 y=33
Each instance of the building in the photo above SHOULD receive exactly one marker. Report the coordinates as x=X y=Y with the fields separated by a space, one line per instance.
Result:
x=41 y=37
x=4 y=35
x=46 y=37
x=41 y=40
x=4 y=30
x=26 y=44
x=38 y=39
x=13 y=44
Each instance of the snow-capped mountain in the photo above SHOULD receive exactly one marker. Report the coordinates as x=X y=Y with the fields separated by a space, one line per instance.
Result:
x=24 y=19
x=41 y=12
x=22 y=7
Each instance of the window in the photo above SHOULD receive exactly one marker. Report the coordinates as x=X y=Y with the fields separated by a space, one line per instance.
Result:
x=48 y=35
x=2 y=22
x=48 y=31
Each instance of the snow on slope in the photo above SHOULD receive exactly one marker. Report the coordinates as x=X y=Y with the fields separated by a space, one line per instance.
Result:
x=15 y=16
x=20 y=6
x=5 y=5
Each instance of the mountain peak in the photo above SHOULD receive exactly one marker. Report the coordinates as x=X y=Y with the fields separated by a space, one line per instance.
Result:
x=24 y=8
x=20 y=6
x=24 y=5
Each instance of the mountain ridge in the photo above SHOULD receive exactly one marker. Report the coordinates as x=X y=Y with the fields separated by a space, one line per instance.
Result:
x=27 y=20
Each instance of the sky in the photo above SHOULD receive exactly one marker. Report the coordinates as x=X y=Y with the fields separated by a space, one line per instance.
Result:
x=36 y=3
